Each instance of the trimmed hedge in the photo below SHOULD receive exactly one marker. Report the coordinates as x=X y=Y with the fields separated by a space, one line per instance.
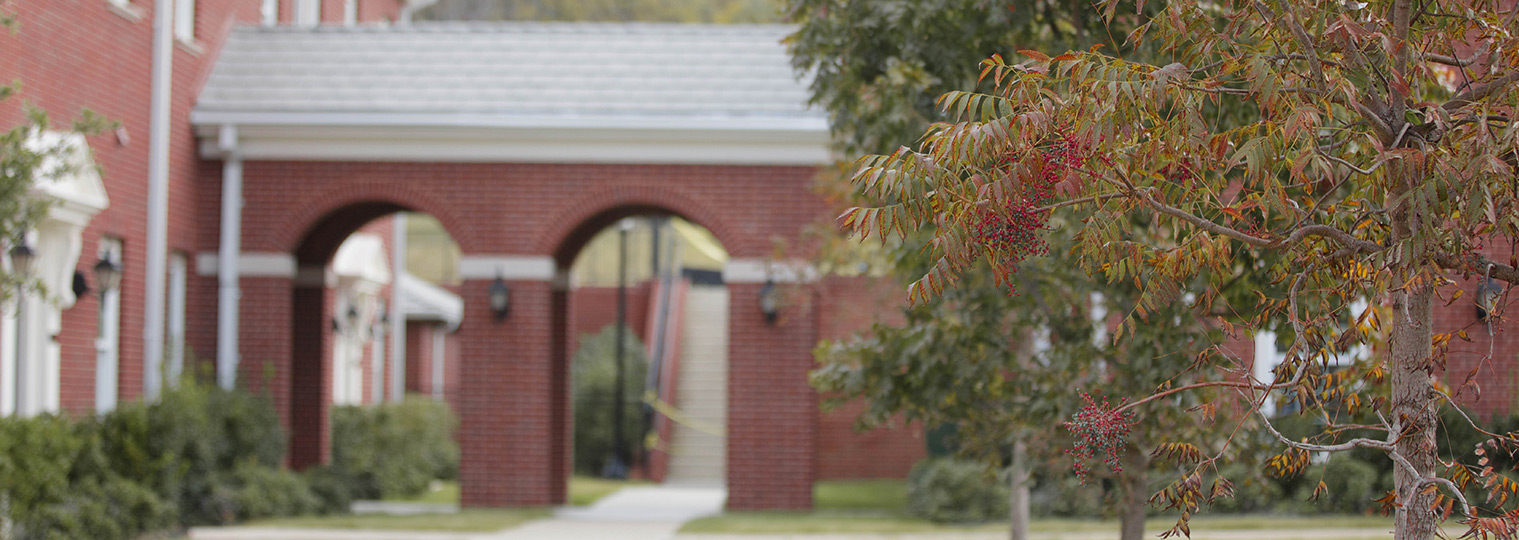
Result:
x=392 y=450
x=948 y=490
x=594 y=378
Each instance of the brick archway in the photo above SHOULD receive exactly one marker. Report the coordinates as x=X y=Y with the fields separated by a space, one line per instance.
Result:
x=523 y=221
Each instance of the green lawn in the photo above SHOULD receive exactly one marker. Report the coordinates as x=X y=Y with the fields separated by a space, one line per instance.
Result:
x=447 y=493
x=467 y=520
x=880 y=506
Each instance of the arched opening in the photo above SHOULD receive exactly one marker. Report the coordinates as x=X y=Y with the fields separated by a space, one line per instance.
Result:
x=373 y=306
x=666 y=273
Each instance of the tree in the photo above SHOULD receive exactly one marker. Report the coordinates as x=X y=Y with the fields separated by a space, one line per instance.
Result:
x=1378 y=163
x=878 y=67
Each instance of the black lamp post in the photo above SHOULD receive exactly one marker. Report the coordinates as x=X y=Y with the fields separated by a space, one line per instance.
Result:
x=617 y=463
x=500 y=298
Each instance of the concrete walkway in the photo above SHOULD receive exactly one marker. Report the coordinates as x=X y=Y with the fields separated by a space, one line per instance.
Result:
x=632 y=513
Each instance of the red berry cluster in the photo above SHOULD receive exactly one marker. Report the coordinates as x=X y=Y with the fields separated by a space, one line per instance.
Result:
x=1009 y=230
x=1100 y=430
x=1181 y=171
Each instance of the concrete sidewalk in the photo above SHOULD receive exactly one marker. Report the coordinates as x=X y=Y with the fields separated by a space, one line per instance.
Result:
x=632 y=513
x=1275 y=534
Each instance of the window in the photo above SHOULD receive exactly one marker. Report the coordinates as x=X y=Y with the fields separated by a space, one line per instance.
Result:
x=125 y=9
x=308 y=12
x=107 y=337
x=175 y=340
x=184 y=20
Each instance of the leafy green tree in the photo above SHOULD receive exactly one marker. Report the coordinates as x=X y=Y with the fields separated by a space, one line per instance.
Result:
x=970 y=359
x=1378 y=164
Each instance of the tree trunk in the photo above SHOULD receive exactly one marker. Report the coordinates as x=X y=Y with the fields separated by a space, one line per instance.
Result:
x=1017 y=498
x=1413 y=410
x=1134 y=495
x=1411 y=371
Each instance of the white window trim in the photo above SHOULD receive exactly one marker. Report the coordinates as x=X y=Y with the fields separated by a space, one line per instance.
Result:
x=350 y=12
x=108 y=336
x=438 y=359
x=185 y=15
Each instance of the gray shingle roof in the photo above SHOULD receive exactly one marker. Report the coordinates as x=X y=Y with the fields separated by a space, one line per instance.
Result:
x=587 y=70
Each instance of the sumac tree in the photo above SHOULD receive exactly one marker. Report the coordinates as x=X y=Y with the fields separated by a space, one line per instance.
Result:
x=1375 y=164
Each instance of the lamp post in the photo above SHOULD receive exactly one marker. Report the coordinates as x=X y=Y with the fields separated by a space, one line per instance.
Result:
x=617 y=464
x=22 y=258
x=1488 y=292
x=768 y=301
x=500 y=298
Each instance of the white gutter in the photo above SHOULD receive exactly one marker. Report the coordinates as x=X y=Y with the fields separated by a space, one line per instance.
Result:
x=229 y=250
x=158 y=197
x=397 y=309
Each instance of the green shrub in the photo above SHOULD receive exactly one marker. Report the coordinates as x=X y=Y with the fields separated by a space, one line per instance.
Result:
x=394 y=449
x=948 y=490
x=594 y=379
x=332 y=489
x=266 y=492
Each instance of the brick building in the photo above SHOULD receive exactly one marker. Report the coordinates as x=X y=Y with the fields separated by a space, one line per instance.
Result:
x=256 y=136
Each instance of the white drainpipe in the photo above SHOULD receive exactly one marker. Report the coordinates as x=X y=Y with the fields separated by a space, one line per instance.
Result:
x=228 y=292
x=397 y=313
x=158 y=197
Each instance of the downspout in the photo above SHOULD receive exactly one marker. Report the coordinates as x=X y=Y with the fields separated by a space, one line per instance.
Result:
x=158 y=198
x=228 y=292
x=397 y=312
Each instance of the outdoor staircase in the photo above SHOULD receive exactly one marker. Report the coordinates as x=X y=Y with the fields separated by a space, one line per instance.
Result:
x=696 y=454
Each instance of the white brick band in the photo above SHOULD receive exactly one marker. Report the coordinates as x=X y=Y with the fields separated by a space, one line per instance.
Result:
x=509 y=267
x=249 y=264
x=762 y=270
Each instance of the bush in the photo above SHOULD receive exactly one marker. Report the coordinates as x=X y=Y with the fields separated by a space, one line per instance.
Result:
x=332 y=489
x=594 y=381
x=948 y=490
x=266 y=492
x=199 y=455
x=393 y=449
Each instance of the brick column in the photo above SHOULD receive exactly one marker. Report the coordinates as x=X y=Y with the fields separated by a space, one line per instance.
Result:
x=309 y=351
x=772 y=411
x=506 y=398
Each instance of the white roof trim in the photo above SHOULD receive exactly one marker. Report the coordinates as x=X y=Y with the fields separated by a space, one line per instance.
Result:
x=362 y=257
x=69 y=175
x=423 y=301
x=569 y=139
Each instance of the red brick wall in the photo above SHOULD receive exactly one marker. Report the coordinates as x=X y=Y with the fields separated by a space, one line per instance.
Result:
x=852 y=305
x=596 y=308
x=1494 y=381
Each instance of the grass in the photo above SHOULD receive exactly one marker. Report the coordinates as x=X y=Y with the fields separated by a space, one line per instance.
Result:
x=880 y=507
x=467 y=520
x=444 y=492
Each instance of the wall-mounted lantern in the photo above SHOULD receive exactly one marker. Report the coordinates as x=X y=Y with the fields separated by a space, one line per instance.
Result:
x=768 y=301
x=500 y=299
x=1487 y=298
x=22 y=258
x=107 y=276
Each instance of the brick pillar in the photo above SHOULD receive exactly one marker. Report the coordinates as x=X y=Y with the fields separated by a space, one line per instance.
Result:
x=309 y=350
x=561 y=437
x=506 y=398
x=772 y=411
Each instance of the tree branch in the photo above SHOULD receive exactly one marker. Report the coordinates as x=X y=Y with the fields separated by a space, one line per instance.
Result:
x=1481 y=91
x=1200 y=222
x=1301 y=36
x=1475 y=263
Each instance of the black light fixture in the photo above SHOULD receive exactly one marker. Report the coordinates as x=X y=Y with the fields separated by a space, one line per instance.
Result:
x=500 y=298
x=769 y=304
x=1487 y=298
x=107 y=275
x=22 y=258
x=353 y=316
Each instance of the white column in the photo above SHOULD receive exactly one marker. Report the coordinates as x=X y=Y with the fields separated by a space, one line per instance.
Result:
x=397 y=313
x=227 y=260
x=158 y=196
